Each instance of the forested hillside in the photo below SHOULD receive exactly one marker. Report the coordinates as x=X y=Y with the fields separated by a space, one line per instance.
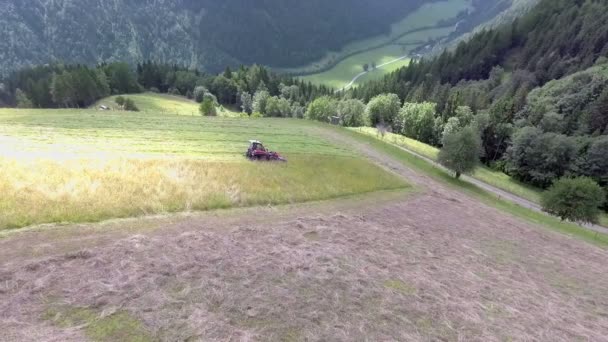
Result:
x=206 y=34
x=537 y=90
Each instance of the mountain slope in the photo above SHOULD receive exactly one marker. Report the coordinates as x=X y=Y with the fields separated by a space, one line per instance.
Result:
x=207 y=34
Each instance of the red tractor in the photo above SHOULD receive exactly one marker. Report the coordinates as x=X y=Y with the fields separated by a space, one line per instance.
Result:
x=256 y=151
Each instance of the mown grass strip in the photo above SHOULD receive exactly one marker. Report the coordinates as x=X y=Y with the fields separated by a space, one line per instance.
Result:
x=423 y=166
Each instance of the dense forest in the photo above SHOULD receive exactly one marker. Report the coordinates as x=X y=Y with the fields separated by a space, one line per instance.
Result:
x=203 y=34
x=537 y=89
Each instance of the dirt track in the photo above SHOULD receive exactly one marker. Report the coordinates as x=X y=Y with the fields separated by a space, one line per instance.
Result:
x=434 y=266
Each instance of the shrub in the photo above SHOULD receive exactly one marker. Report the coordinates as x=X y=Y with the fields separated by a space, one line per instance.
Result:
x=460 y=152
x=130 y=105
x=574 y=199
x=120 y=100
x=207 y=107
x=257 y=115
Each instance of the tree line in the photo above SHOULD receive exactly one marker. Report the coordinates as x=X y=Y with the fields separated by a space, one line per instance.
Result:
x=536 y=90
x=76 y=86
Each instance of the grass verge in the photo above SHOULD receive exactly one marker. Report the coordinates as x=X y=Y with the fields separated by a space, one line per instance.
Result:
x=483 y=173
x=423 y=166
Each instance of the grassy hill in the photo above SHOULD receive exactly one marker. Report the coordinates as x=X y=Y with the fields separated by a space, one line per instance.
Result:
x=90 y=165
x=164 y=104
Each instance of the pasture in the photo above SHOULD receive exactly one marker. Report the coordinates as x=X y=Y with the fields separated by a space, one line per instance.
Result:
x=89 y=165
x=163 y=104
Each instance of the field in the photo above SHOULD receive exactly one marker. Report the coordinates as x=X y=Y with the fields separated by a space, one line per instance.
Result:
x=89 y=165
x=412 y=31
x=484 y=174
x=447 y=263
x=163 y=104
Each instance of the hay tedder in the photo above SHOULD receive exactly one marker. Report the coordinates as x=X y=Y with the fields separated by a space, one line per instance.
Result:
x=257 y=151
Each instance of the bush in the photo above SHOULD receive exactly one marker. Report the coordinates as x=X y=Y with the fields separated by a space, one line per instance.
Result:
x=208 y=107
x=574 y=199
x=461 y=150
x=256 y=115
x=130 y=105
x=120 y=100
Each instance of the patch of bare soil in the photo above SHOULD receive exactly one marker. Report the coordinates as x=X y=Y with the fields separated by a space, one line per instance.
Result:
x=436 y=267
x=431 y=268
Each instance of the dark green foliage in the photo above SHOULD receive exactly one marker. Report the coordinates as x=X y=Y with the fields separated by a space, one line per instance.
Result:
x=79 y=86
x=460 y=152
x=383 y=109
x=539 y=158
x=352 y=113
x=22 y=100
x=596 y=160
x=574 y=199
x=119 y=100
x=322 y=109
x=417 y=121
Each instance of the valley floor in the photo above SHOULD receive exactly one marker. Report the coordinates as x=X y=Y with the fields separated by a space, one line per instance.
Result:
x=431 y=265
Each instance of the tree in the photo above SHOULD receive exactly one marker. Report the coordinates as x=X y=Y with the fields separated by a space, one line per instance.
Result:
x=460 y=152
x=260 y=98
x=246 y=102
x=22 y=100
x=417 y=121
x=207 y=107
x=373 y=65
x=199 y=93
x=121 y=78
x=383 y=109
x=574 y=199
x=351 y=113
x=225 y=89
x=540 y=158
x=278 y=107
x=366 y=67
x=596 y=160
x=321 y=109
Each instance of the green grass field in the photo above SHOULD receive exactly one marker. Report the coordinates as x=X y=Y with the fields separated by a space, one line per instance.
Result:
x=163 y=104
x=385 y=47
x=482 y=173
x=90 y=165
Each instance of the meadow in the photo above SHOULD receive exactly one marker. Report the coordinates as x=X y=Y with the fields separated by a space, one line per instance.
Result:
x=412 y=31
x=485 y=174
x=90 y=165
x=163 y=104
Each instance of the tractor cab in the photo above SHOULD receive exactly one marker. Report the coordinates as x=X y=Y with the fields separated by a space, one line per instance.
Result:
x=255 y=145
